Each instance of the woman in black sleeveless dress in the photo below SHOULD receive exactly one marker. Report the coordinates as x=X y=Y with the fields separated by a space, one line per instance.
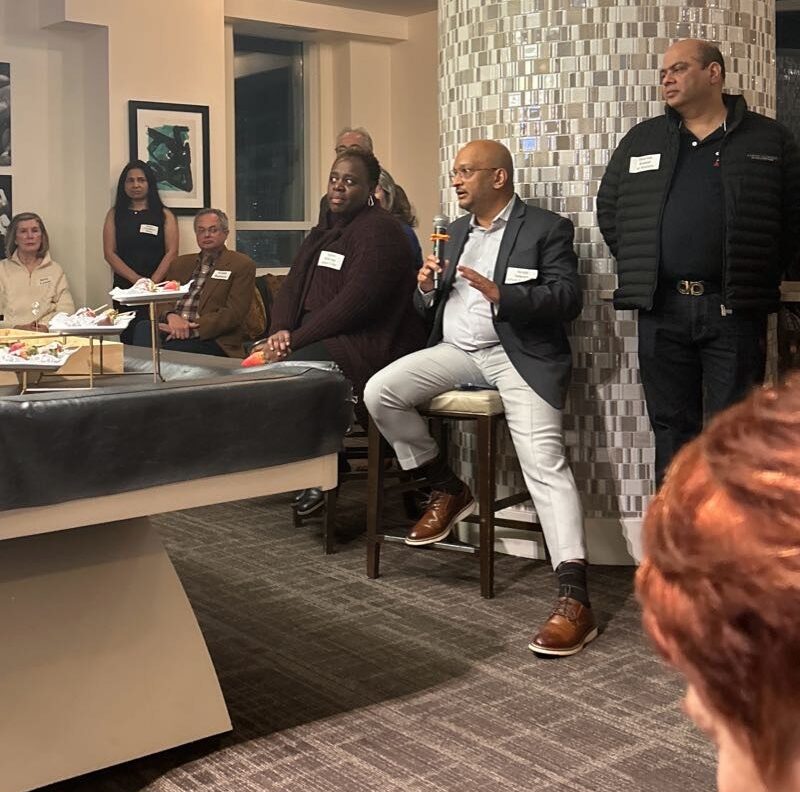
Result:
x=140 y=235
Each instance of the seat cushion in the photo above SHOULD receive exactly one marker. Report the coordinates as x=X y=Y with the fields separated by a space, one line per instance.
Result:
x=475 y=402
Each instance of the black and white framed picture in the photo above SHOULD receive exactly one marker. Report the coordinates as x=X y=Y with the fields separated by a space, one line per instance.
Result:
x=173 y=140
x=5 y=113
x=6 y=212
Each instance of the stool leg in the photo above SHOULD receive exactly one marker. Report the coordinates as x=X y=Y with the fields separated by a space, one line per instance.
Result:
x=329 y=522
x=375 y=477
x=297 y=520
x=487 y=430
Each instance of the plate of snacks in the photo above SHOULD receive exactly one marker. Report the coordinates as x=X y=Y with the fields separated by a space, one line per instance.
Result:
x=145 y=291
x=36 y=356
x=88 y=321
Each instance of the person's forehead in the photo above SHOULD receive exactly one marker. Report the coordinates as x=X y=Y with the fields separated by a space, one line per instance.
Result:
x=680 y=53
x=351 y=139
x=349 y=166
x=207 y=220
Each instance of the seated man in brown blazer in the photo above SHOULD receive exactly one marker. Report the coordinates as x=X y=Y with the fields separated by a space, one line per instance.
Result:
x=210 y=319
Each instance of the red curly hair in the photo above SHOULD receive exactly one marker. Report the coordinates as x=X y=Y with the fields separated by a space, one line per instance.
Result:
x=720 y=583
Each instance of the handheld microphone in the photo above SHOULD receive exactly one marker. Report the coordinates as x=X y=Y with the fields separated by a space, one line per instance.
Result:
x=439 y=237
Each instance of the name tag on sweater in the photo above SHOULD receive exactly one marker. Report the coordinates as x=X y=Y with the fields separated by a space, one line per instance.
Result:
x=220 y=274
x=646 y=163
x=521 y=275
x=44 y=281
x=330 y=260
x=146 y=228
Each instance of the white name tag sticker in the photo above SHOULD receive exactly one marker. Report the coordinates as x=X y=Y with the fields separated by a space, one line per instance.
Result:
x=44 y=281
x=146 y=228
x=330 y=260
x=521 y=275
x=220 y=274
x=647 y=162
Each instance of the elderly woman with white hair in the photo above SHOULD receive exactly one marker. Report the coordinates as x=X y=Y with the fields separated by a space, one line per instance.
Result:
x=33 y=288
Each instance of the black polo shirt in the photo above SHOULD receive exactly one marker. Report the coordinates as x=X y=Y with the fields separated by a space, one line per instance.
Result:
x=692 y=228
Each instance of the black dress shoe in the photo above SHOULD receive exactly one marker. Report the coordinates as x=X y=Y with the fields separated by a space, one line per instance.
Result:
x=313 y=501
x=298 y=496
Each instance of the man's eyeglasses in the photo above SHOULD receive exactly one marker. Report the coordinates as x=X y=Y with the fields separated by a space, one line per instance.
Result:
x=467 y=173
x=212 y=230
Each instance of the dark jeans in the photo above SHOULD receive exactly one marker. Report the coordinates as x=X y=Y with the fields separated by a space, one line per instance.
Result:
x=693 y=363
x=199 y=346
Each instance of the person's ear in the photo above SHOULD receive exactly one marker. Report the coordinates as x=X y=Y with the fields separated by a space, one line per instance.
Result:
x=715 y=72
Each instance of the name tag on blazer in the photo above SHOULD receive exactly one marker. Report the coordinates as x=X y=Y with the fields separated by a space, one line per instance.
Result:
x=330 y=260
x=521 y=275
x=146 y=228
x=221 y=274
x=647 y=162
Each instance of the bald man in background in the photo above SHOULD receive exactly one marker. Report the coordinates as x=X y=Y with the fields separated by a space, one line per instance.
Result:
x=507 y=285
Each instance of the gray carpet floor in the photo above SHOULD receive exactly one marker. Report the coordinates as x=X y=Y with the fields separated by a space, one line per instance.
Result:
x=412 y=682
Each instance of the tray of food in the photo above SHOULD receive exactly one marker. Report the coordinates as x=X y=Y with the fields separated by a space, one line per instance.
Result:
x=145 y=291
x=34 y=356
x=89 y=322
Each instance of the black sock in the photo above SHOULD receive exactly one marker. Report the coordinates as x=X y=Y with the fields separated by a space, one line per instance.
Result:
x=572 y=581
x=439 y=475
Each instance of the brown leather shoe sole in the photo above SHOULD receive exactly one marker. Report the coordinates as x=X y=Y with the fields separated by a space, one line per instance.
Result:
x=465 y=512
x=570 y=650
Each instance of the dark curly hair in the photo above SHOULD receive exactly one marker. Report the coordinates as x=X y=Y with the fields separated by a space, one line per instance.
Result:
x=370 y=163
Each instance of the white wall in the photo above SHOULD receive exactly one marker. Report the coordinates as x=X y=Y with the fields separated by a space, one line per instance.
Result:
x=48 y=118
x=76 y=64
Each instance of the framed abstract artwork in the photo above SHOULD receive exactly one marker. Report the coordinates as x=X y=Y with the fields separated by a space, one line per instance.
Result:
x=173 y=140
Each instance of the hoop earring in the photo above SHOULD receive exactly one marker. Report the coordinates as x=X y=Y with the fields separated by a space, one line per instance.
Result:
x=371 y=201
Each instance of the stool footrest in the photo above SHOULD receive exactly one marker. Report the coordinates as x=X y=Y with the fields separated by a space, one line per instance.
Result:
x=459 y=547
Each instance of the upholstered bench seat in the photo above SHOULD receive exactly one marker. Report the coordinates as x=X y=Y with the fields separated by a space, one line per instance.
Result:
x=474 y=402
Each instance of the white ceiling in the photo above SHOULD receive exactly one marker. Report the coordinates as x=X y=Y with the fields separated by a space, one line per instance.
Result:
x=399 y=7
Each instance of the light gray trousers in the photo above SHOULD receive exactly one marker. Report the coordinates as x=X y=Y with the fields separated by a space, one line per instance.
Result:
x=391 y=397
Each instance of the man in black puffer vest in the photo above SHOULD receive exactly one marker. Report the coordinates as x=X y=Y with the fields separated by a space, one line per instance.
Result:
x=701 y=209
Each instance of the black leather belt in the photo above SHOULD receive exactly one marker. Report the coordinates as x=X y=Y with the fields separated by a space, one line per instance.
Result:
x=696 y=288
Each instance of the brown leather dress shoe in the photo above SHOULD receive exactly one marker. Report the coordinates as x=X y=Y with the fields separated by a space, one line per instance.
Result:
x=568 y=629
x=442 y=512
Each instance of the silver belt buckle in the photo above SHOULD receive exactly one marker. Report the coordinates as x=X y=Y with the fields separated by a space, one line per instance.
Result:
x=692 y=288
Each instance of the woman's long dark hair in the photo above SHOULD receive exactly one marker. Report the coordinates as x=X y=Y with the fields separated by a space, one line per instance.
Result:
x=122 y=202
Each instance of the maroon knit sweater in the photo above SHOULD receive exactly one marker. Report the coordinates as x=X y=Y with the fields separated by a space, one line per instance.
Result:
x=362 y=312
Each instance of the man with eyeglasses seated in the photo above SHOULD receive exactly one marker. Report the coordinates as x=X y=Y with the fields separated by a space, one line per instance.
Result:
x=498 y=304
x=210 y=319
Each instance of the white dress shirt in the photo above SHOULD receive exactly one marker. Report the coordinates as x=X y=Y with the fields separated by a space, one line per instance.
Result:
x=467 y=321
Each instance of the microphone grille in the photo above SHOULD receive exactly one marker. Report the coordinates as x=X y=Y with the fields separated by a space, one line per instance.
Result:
x=441 y=220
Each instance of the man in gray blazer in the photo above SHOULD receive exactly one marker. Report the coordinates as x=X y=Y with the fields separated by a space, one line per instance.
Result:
x=498 y=303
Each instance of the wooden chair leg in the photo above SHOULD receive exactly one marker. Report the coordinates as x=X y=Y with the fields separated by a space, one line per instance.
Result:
x=329 y=522
x=486 y=431
x=375 y=479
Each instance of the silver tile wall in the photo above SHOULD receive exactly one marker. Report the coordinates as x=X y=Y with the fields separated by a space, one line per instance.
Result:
x=788 y=68
x=559 y=82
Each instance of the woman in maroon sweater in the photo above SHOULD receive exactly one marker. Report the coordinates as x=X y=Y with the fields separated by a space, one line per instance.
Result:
x=348 y=296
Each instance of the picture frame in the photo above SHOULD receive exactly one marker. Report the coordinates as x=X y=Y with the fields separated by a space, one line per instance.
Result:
x=6 y=209
x=173 y=140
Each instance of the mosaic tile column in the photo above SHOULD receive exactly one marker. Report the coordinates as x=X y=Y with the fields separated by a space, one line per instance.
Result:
x=560 y=82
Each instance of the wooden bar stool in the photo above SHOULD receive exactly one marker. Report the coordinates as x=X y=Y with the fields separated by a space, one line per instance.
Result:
x=355 y=448
x=485 y=408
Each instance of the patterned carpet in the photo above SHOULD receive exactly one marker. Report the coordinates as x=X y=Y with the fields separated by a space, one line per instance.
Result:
x=413 y=682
